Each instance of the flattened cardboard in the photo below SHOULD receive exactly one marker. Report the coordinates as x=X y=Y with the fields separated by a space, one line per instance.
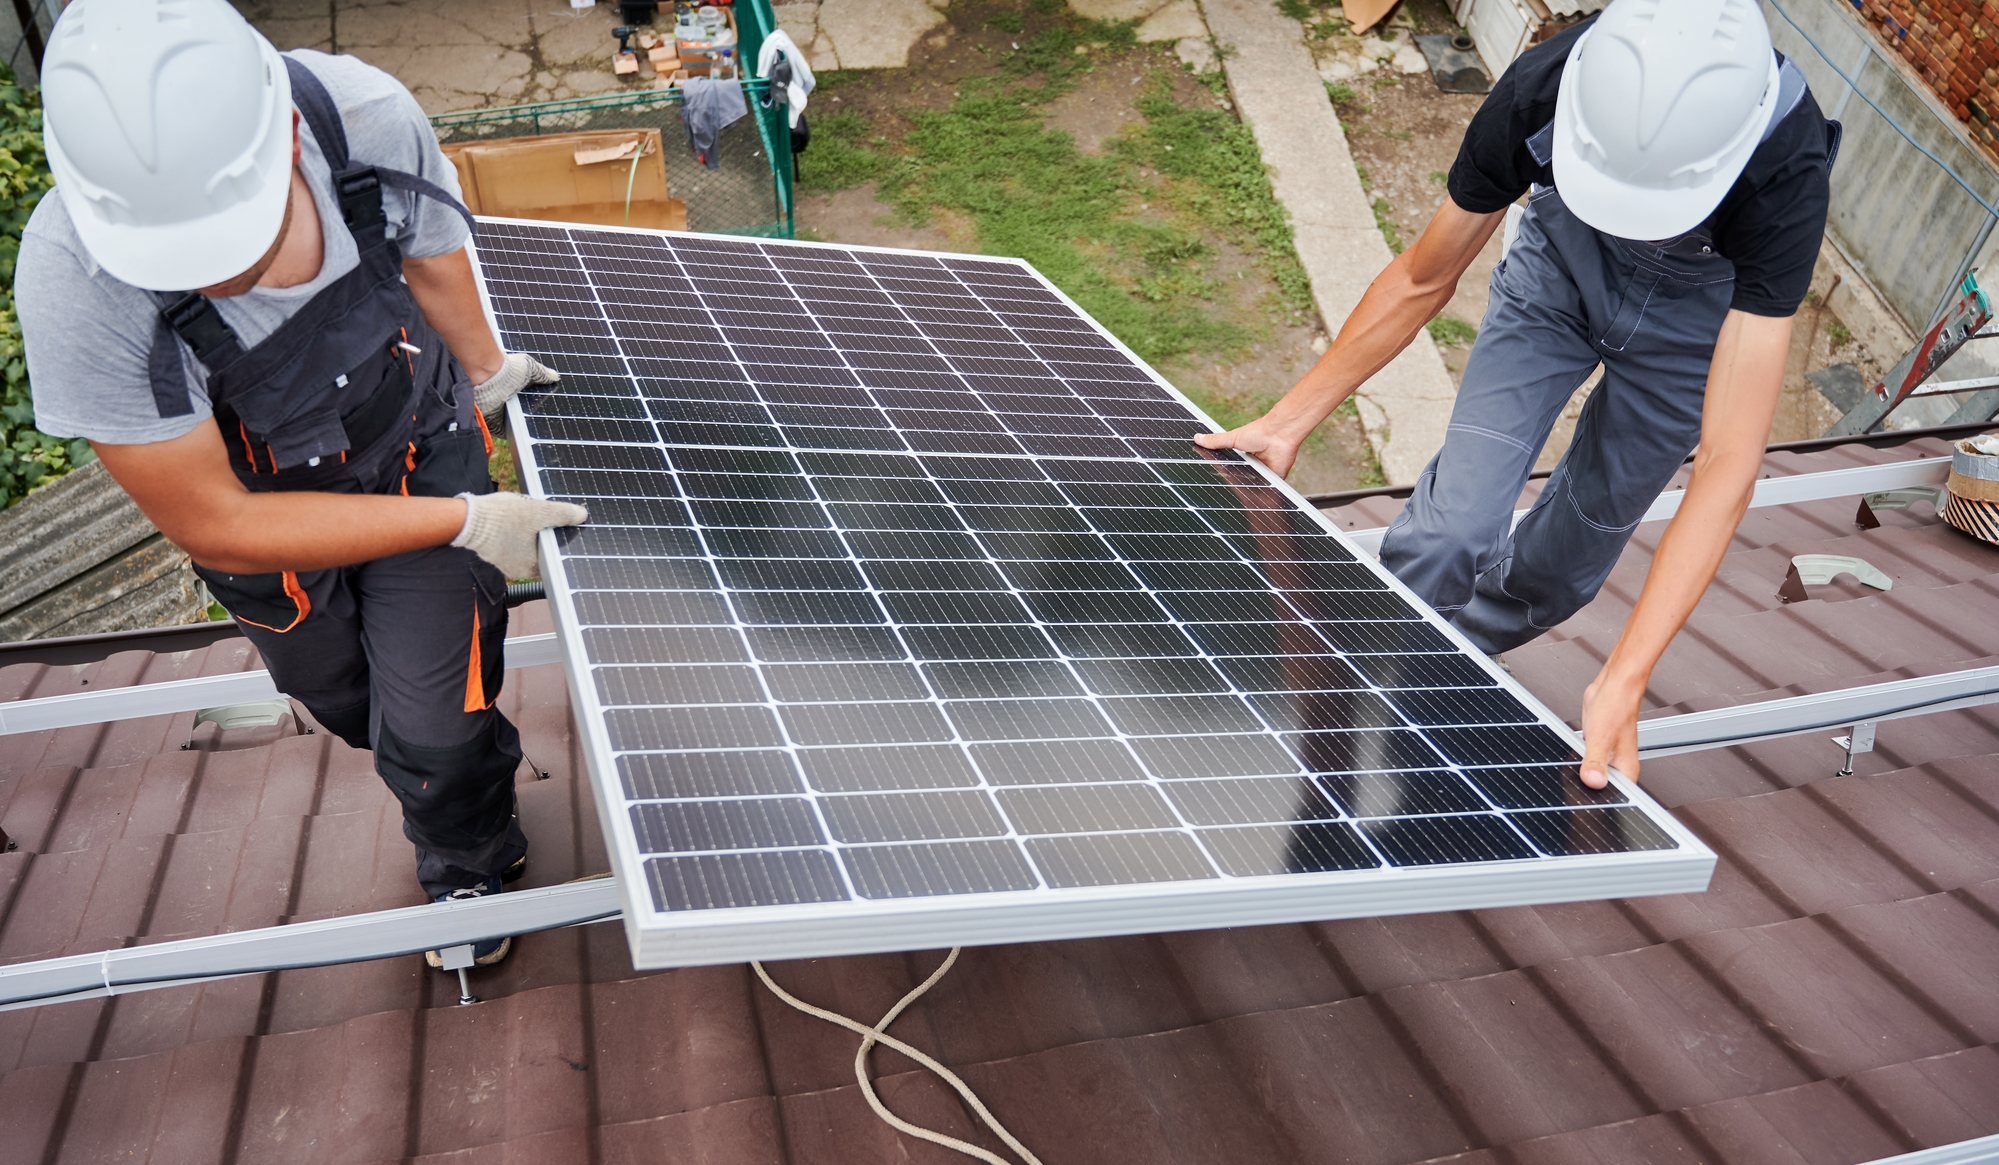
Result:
x=548 y=178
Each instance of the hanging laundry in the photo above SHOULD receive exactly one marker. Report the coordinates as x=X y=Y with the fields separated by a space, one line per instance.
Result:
x=707 y=106
x=791 y=78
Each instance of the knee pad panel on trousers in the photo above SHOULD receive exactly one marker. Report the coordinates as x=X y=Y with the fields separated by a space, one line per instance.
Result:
x=349 y=723
x=457 y=797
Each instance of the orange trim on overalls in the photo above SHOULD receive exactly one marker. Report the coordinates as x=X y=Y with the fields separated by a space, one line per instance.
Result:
x=484 y=431
x=409 y=467
x=475 y=672
x=249 y=450
x=407 y=358
x=299 y=598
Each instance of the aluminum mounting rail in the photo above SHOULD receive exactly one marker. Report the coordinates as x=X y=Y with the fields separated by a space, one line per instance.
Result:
x=353 y=938
x=1978 y=1151
x=192 y=695
x=1773 y=491
x=1797 y=715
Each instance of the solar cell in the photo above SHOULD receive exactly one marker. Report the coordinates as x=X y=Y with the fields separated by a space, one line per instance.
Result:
x=909 y=615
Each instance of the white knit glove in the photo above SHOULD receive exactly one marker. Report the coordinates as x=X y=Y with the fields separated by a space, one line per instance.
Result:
x=501 y=528
x=517 y=371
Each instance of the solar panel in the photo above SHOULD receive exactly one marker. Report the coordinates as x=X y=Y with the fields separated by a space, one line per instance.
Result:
x=909 y=615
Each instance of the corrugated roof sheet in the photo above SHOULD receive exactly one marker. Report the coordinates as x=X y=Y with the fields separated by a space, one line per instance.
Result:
x=1830 y=999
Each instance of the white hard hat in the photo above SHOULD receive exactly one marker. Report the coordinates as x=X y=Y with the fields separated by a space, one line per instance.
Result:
x=1660 y=106
x=168 y=126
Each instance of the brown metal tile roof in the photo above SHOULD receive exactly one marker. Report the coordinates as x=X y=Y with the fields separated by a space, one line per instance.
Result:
x=1828 y=1000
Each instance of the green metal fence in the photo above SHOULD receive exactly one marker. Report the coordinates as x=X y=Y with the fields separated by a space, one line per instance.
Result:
x=750 y=194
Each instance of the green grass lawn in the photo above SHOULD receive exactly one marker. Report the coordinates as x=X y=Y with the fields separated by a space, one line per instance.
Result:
x=1131 y=233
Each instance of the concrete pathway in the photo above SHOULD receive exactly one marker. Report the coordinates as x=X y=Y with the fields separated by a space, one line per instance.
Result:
x=458 y=54
x=858 y=34
x=1404 y=408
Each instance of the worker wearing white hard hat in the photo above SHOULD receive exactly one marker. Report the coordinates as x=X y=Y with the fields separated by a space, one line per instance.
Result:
x=251 y=294
x=1675 y=169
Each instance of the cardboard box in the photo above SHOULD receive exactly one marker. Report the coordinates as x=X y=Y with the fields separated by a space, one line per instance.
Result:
x=570 y=177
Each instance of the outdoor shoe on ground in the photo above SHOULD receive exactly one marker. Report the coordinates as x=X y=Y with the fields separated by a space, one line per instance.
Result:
x=492 y=950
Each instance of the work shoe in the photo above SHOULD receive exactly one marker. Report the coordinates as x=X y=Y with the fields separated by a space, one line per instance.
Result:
x=488 y=952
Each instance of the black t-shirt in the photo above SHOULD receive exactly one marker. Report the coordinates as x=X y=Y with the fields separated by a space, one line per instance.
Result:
x=1769 y=224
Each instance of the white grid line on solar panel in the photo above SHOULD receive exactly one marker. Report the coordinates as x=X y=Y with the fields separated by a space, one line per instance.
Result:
x=1440 y=791
x=990 y=398
x=1292 y=588
x=922 y=335
x=1016 y=340
x=1383 y=795
x=824 y=825
x=958 y=736
x=1210 y=822
x=1026 y=404
x=789 y=731
x=974 y=516
x=941 y=693
x=840 y=350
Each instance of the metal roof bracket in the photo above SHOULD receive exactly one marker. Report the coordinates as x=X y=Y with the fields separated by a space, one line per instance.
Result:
x=1861 y=739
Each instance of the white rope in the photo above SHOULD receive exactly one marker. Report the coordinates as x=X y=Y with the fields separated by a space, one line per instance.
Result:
x=878 y=1034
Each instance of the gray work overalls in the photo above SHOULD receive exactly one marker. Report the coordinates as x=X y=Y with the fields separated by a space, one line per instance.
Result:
x=401 y=654
x=1564 y=298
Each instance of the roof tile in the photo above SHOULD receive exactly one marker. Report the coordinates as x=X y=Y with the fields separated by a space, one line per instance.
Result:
x=1827 y=1000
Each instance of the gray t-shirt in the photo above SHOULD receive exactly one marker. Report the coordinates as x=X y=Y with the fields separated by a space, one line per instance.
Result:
x=88 y=336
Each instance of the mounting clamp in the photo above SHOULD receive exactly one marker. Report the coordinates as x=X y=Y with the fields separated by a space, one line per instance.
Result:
x=1861 y=739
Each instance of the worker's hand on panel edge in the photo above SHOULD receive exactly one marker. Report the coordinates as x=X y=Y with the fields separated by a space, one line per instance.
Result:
x=501 y=528
x=1261 y=439
x=517 y=371
x=1610 y=728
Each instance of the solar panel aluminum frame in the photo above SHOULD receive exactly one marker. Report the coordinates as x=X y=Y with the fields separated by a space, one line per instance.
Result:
x=864 y=926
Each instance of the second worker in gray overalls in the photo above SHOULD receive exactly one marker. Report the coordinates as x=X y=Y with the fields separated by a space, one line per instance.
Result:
x=1675 y=168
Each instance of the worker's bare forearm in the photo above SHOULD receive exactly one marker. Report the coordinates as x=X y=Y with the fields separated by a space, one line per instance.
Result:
x=313 y=531
x=185 y=486
x=1394 y=308
x=1743 y=385
x=1688 y=556
x=449 y=296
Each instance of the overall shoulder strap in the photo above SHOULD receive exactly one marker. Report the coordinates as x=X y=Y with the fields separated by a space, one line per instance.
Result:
x=1541 y=144
x=424 y=186
x=1790 y=90
x=358 y=186
x=312 y=100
